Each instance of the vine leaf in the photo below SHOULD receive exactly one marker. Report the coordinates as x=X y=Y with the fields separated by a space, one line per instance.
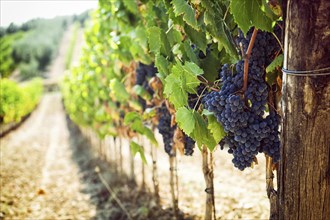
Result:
x=154 y=39
x=277 y=62
x=216 y=129
x=248 y=13
x=185 y=118
x=134 y=121
x=158 y=42
x=118 y=90
x=181 y=7
x=197 y=37
x=174 y=91
x=140 y=91
x=162 y=64
x=188 y=51
x=202 y=134
x=150 y=135
x=174 y=36
x=131 y=6
x=182 y=80
x=215 y=25
x=136 y=148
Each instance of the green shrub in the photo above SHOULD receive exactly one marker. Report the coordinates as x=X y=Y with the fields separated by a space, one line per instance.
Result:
x=29 y=70
x=18 y=101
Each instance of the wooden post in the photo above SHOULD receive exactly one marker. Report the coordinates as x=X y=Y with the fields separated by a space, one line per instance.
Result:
x=153 y=153
x=143 y=182
x=173 y=185
x=121 y=155
x=208 y=176
x=304 y=174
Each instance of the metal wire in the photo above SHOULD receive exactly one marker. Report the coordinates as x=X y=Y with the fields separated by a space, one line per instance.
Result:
x=306 y=73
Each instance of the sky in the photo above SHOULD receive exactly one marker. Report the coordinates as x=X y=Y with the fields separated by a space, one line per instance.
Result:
x=20 y=11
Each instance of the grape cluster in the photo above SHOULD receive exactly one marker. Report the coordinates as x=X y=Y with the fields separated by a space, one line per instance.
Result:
x=143 y=74
x=189 y=145
x=242 y=115
x=165 y=129
x=264 y=48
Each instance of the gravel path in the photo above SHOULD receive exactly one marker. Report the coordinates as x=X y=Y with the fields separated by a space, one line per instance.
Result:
x=39 y=178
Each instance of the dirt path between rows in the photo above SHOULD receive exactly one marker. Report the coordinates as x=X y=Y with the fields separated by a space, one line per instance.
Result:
x=39 y=179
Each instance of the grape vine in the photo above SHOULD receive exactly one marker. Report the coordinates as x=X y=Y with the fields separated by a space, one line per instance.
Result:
x=190 y=55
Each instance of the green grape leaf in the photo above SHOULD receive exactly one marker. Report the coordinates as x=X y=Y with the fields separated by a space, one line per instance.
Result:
x=150 y=135
x=181 y=7
x=154 y=39
x=192 y=68
x=185 y=118
x=131 y=6
x=134 y=120
x=149 y=113
x=197 y=37
x=202 y=134
x=162 y=64
x=136 y=148
x=211 y=65
x=216 y=129
x=182 y=80
x=215 y=25
x=118 y=90
x=175 y=91
x=174 y=36
x=140 y=91
x=248 y=13
x=268 y=11
x=134 y=104
x=189 y=52
x=277 y=62
x=207 y=112
x=158 y=42
x=130 y=117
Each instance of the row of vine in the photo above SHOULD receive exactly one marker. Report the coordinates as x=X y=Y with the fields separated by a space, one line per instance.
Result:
x=202 y=71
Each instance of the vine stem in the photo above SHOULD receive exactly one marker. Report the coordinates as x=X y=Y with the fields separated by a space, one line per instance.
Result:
x=207 y=166
x=121 y=156
x=247 y=57
x=153 y=152
x=271 y=192
x=173 y=185
x=199 y=98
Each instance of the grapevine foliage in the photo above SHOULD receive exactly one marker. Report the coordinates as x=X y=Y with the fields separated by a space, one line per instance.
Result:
x=140 y=55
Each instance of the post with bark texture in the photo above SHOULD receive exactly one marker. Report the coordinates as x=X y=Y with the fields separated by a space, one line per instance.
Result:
x=208 y=176
x=121 y=155
x=143 y=182
x=173 y=185
x=304 y=175
x=132 y=173
x=153 y=153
